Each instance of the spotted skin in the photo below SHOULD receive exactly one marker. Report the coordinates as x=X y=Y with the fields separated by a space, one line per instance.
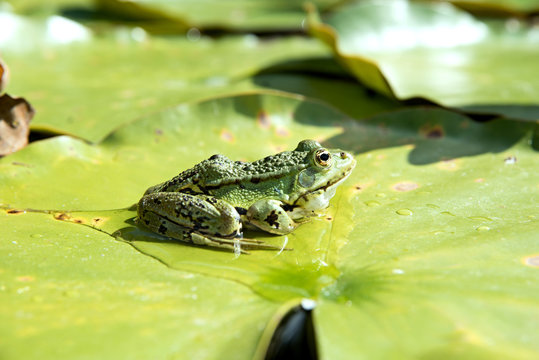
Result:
x=210 y=203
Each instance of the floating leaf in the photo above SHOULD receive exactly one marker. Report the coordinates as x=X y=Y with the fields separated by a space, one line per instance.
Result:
x=407 y=49
x=499 y=7
x=70 y=291
x=428 y=248
x=246 y=15
x=119 y=78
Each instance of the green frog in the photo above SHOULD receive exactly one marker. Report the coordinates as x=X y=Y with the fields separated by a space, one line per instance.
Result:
x=212 y=202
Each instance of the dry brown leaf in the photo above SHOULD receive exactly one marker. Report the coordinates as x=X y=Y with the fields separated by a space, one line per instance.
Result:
x=15 y=116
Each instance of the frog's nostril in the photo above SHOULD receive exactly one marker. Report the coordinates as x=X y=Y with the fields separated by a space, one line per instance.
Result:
x=344 y=155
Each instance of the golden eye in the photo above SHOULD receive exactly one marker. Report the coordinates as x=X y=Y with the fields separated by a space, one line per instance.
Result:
x=322 y=158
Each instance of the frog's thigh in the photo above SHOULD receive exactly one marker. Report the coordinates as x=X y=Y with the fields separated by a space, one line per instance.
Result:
x=268 y=215
x=167 y=212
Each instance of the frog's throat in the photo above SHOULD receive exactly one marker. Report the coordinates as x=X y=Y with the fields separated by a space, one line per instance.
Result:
x=328 y=185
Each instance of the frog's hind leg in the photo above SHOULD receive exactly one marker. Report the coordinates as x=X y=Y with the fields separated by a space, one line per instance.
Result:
x=201 y=219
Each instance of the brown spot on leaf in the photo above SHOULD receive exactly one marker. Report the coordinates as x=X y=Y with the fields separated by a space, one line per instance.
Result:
x=329 y=218
x=227 y=136
x=263 y=120
x=432 y=131
x=449 y=165
x=405 y=186
x=532 y=260
x=14 y=211
x=282 y=132
x=62 y=216
x=15 y=116
x=17 y=163
x=435 y=133
x=97 y=221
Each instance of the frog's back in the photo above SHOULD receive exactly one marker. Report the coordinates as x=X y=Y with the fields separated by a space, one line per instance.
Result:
x=240 y=183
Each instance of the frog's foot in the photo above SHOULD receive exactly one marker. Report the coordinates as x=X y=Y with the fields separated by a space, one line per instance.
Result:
x=233 y=244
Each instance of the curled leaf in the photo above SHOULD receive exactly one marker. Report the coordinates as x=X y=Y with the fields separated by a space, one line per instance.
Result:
x=15 y=116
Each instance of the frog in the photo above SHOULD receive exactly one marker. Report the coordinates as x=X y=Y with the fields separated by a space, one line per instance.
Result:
x=214 y=201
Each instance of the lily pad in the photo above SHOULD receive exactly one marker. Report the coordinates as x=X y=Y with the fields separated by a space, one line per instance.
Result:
x=121 y=78
x=505 y=7
x=408 y=49
x=428 y=248
x=69 y=292
x=246 y=15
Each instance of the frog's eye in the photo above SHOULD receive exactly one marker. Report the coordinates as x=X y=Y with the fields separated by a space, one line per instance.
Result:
x=322 y=158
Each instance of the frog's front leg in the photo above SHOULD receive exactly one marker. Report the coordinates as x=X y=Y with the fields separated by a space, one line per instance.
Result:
x=200 y=219
x=269 y=216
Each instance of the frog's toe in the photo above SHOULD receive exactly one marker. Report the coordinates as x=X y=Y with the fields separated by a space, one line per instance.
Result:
x=233 y=244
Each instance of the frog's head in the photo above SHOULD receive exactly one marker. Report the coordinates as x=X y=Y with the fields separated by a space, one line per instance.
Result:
x=316 y=183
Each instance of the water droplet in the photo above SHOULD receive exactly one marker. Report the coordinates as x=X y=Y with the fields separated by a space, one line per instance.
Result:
x=404 y=212
x=512 y=25
x=398 y=271
x=23 y=289
x=483 y=228
x=193 y=34
x=372 y=203
x=138 y=34
x=432 y=206
x=227 y=136
x=447 y=213
x=381 y=195
x=36 y=236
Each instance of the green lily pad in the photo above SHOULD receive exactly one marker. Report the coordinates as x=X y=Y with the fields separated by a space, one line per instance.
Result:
x=166 y=71
x=120 y=78
x=250 y=15
x=428 y=248
x=71 y=292
x=506 y=7
x=434 y=51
